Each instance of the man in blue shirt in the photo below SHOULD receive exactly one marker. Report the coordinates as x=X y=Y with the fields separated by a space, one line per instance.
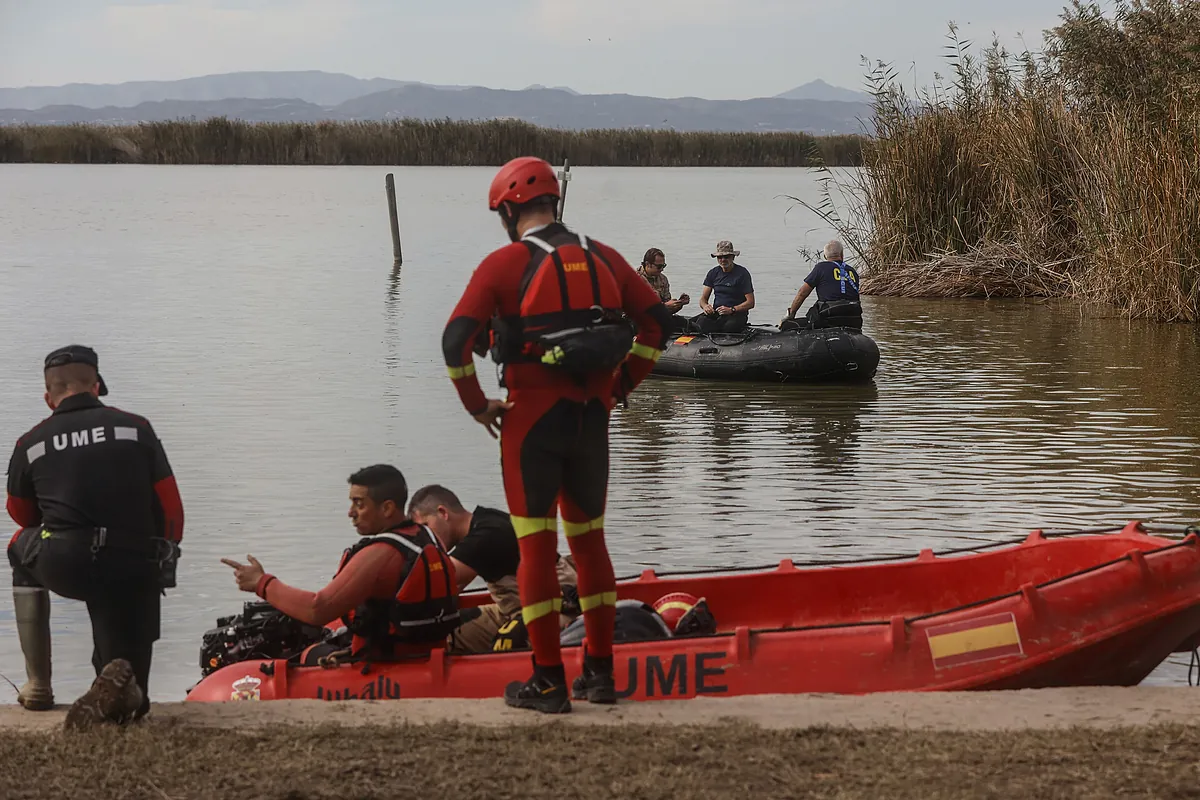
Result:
x=836 y=285
x=732 y=291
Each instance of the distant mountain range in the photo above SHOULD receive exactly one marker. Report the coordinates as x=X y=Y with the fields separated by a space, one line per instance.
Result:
x=312 y=86
x=815 y=107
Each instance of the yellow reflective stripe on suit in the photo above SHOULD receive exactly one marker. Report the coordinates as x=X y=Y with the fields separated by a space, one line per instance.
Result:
x=539 y=610
x=580 y=528
x=596 y=600
x=524 y=526
x=645 y=351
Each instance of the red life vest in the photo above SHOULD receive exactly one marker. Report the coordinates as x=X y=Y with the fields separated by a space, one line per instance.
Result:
x=571 y=314
x=424 y=609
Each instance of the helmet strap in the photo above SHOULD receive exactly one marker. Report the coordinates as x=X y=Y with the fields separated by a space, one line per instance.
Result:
x=509 y=215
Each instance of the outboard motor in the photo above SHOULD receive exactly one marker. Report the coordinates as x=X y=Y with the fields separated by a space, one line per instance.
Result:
x=260 y=631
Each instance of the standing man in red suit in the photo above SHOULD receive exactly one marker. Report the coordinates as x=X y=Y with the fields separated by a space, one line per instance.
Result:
x=553 y=303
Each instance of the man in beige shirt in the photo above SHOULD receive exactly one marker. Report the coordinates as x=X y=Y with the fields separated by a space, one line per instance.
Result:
x=651 y=270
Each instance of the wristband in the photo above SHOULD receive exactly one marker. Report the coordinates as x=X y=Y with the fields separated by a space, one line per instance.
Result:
x=263 y=583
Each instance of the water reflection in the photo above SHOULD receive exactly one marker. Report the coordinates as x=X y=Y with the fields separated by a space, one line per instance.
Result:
x=393 y=292
x=692 y=456
x=735 y=427
x=986 y=419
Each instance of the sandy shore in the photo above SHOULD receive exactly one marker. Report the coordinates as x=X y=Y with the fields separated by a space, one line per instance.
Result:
x=1032 y=709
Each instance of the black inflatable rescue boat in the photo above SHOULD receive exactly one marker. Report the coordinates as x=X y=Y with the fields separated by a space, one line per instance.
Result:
x=765 y=353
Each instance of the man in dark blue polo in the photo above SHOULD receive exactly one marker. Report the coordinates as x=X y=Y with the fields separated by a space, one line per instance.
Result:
x=836 y=285
x=732 y=291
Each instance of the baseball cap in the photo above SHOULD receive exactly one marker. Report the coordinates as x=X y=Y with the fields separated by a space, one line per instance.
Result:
x=76 y=354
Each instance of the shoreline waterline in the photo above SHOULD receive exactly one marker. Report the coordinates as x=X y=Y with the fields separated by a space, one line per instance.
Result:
x=1097 y=707
x=1080 y=742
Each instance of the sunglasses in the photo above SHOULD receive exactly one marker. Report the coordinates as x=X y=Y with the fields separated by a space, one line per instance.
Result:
x=724 y=258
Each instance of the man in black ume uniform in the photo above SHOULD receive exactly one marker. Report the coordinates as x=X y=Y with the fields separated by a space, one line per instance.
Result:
x=101 y=520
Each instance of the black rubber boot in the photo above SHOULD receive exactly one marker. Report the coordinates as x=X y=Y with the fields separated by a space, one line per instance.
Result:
x=596 y=684
x=545 y=691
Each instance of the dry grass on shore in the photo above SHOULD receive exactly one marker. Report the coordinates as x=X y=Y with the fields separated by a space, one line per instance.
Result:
x=557 y=761
x=987 y=272
x=412 y=143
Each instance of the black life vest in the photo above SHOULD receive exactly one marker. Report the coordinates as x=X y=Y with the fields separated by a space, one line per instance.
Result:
x=424 y=609
x=836 y=314
x=570 y=310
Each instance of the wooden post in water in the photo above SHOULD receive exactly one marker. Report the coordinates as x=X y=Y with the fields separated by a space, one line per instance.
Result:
x=390 y=183
x=564 y=177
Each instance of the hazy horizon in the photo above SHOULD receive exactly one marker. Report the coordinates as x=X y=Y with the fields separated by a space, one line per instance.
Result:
x=717 y=49
x=375 y=77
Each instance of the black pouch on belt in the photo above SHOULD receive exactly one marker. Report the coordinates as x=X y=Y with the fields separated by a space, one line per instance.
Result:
x=167 y=559
x=27 y=546
x=162 y=552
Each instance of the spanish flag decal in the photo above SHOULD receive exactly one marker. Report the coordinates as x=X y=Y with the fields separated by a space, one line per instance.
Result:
x=980 y=639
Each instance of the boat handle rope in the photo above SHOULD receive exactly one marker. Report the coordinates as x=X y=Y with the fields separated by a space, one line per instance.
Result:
x=966 y=606
x=847 y=366
x=745 y=337
x=901 y=556
x=1146 y=526
x=1051 y=582
x=333 y=660
x=963 y=607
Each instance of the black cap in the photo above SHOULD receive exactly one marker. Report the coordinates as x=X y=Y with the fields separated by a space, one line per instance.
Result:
x=76 y=354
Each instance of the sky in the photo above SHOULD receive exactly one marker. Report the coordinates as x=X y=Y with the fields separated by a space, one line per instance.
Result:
x=666 y=48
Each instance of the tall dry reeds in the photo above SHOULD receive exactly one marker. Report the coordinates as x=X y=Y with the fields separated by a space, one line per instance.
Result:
x=1140 y=213
x=413 y=142
x=1006 y=183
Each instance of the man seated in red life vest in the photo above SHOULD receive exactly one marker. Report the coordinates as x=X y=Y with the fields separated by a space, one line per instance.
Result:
x=395 y=589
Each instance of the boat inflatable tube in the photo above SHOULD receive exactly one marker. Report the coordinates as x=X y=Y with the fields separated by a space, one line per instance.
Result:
x=1102 y=607
x=769 y=354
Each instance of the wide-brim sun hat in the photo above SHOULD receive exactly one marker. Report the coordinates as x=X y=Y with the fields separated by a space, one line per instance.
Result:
x=725 y=248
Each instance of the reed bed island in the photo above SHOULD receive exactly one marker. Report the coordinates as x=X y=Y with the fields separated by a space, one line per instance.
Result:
x=413 y=143
x=1071 y=173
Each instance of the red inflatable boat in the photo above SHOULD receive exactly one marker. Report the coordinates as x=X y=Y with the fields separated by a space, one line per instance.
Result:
x=1063 y=610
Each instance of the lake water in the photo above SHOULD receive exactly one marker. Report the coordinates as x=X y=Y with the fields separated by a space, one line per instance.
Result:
x=253 y=315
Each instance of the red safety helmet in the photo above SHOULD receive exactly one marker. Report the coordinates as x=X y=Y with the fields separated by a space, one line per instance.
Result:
x=521 y=180
x=671 y=607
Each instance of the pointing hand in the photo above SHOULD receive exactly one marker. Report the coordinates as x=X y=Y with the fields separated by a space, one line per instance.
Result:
x=246 y=575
